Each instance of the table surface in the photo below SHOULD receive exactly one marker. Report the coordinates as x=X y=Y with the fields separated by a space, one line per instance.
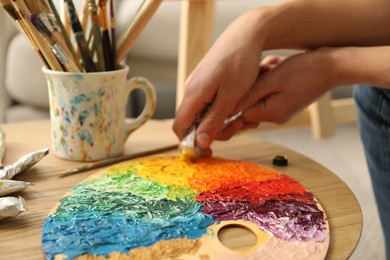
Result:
x=20 y=237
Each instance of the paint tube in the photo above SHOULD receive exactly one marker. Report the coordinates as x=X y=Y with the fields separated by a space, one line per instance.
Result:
x=187 y=148
x=23 y=163
x=11 y=206
x=10 y=186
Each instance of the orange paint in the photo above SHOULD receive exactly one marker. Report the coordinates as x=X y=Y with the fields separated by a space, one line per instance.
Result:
x=215 y=173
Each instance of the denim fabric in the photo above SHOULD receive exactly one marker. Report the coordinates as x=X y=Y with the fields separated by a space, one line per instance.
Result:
x=374 y=124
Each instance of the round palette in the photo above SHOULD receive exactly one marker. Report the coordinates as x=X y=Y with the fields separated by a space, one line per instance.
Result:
x=163 y=207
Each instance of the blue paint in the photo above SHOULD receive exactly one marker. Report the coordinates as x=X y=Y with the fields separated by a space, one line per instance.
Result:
x=100 y=233
x=97 y=107
x=80 y=98
x=83 y=115
x=77 y=77
x=67 y=117
x=85 y=135
x=116 y=212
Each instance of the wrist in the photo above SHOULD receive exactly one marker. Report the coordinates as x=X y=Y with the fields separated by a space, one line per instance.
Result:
x=332 y=66
x=368 y=65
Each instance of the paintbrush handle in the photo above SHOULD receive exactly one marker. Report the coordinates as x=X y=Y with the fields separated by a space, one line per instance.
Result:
x=49 y=31
x=12 y=14
x=105 y=34
x=64 y=33
x=95 y=35
x=34 y=44
x=96 y=39
x=47 y=53
x=84 y=15
x=114 y=160
x=113 y=52
x=68 y=64
x=78 y=32
x=106 y=49
x=64 y=18
x=141 y=19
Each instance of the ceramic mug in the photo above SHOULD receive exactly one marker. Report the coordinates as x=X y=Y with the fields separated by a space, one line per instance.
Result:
x=87 y=112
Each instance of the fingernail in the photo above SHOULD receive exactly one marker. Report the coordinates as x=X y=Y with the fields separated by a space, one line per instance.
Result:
x=203 y=140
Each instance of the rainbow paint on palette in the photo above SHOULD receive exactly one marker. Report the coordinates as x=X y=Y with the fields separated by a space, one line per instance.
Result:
x=143 y=206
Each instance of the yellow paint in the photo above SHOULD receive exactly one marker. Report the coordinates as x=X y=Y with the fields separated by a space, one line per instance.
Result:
x=170 y=171
x=200 y=174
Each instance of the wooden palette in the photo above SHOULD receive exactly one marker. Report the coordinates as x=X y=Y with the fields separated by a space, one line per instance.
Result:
x=162 y=207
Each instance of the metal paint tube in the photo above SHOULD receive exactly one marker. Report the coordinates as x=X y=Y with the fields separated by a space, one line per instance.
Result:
x=10 y=186
x=187 y=147
x=23 y=163
x=11 y=206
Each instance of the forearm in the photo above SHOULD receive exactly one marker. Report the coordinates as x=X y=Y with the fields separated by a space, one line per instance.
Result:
x=307 y=24
x=369 y=65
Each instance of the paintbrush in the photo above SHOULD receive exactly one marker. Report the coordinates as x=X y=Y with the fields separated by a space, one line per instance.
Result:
x=114 y=160
x=64 y=32
x=135 y=28
x=105 y=33
x=24 y=14
x=46 y=23
x=48 y=31
x=12 y=14
x=113 y=38
x=2 y=147
x=9 y=10
x=65 y=18
x=78 y=32
x=95 y=35
x=85 y=14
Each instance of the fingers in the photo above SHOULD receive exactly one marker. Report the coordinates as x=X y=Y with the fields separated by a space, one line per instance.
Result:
x=218 y=95
x=212 y=124
x=229 y=130
x=223 y=104
x=206 y=152
x=235 y=127
x=268 y=110
x=213 y=121
x=271 y=61
x=195 y=101
x=185 y=117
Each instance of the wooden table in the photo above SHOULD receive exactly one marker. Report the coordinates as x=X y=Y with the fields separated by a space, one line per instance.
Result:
x=20 y=237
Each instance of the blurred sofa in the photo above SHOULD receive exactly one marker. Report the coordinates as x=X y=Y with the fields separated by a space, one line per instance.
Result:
x=23 y=90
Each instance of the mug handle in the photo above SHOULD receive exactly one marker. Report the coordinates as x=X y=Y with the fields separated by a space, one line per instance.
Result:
x=150 y=102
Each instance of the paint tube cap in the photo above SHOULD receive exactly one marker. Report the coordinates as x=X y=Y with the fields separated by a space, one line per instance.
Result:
x=280 y=160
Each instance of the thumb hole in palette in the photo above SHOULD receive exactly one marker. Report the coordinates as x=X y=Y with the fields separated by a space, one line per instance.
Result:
x=237 y=237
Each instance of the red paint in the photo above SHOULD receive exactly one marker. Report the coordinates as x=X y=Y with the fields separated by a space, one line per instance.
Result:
x=283 y=188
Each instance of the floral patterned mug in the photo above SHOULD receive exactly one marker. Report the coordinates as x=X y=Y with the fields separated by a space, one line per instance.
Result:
x=87 y=112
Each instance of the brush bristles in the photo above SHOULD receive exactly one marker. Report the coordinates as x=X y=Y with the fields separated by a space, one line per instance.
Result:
x=40 y=25
x=10 y=10
x=40 y=21
x=37 y=6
